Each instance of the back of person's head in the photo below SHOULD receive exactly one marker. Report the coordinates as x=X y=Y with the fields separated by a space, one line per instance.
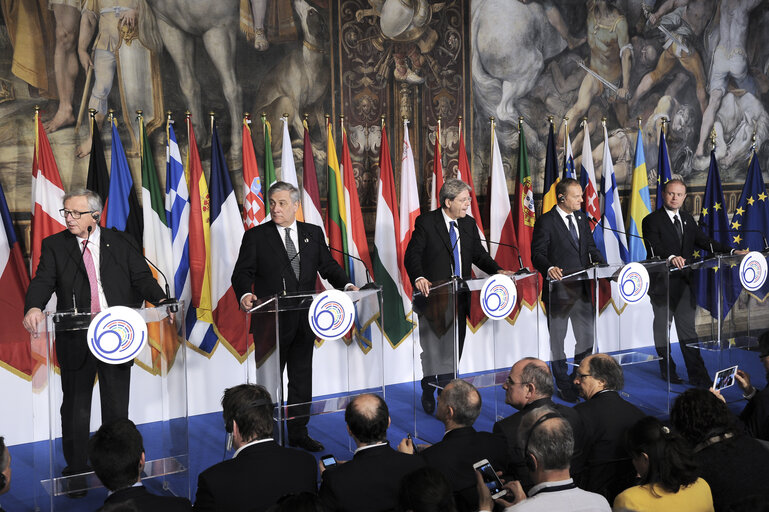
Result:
x=115 y=452
x=538 y=373
x=464 y=400
x=5 y=463
x=425 y=490
x=367 y=417
x=303 y=502
x=669 y=456
x=250 y=406
x=605 y=368
x=122 y=506
x=547 y=437
x=697 y=415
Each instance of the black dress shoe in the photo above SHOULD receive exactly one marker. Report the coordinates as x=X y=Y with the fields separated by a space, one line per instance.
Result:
x=75 y=482
x=306 y=443
x=428 y=402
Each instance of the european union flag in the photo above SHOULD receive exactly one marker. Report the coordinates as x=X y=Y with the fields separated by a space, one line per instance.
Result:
x=663 y=168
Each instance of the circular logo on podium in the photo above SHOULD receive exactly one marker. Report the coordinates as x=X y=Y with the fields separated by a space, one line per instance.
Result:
x=498 y=296
x=753 y=270
x=633 y=282
x=117 y=335
x=331 y=314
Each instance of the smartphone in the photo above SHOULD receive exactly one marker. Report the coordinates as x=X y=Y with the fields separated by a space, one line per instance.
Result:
x=328 y=461
x=490 y=478
x=411 y=438
x=724 y=378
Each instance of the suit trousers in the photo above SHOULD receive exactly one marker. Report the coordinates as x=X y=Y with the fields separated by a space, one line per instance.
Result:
x=581 y=314
x=296 y=350
x=436 y=337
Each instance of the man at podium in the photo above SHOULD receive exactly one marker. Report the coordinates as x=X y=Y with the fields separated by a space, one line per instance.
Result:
x=279 y=256
x=89 y=269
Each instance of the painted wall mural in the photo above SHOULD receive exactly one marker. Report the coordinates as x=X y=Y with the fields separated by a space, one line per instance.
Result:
x=703 y=64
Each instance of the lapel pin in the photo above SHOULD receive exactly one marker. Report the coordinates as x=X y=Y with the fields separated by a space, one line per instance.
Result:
x=306 y=240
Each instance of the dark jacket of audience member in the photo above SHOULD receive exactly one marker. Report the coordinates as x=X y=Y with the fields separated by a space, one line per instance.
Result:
x=734 y=465
x=426 y=490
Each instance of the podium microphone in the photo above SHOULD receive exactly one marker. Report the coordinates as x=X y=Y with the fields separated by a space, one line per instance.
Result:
x=522 y=270
x=651 y=249
x=369 y=283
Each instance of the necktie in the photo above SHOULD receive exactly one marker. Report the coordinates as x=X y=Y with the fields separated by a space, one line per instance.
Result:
x=573 y=229
x=679 y=228
x=455 y=247
x=292 y=254
x=90 y=269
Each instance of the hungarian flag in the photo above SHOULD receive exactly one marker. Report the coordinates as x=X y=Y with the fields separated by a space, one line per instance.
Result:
x=254 y=209
x=226 y=236
x=287 y=165
x=122 y=210
x=523 y=216
x=409 y=211
x=393 y=321
x=98 y=178
x=335 y=208
x=551 y=174
x=437 y=177
x=269 y=165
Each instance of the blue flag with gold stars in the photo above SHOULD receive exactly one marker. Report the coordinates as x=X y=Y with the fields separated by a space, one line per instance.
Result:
x=663 y=169
x=710 y=284
x=750 y=222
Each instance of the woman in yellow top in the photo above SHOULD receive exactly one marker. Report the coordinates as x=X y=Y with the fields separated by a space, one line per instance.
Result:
x=668 y=472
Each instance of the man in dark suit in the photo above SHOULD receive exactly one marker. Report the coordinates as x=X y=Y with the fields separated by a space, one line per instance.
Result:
x=284 y=255
x=445 y=243
x=562 y=243
x=261 y=471
x=605 y=418
x=68 y=267
x=370 y=481
x=459 y=405
x=530 y=386
x=672 y=233
x=116 y=451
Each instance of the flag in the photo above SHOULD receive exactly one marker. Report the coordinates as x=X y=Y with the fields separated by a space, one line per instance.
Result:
x=663 y=168
x=254 y=209
x=15 y=349
x=122 y=211
x=551 y=173
x=287 y=165
x=47 y=196
x=610 y=238
x=751 y=218
x=710 y=285
x=269 y=165
x=640 y=203
x=335 y=208
x=437 y=181
x=98 y=178
x=200 y=329
x=409 y=211
x=501 y=225
x=311 y=196
x=568 y=157
x=587 y=179
x=226 y=234
x=157 y=248
x=357 y=247
x=393 y=321
x=524 y=213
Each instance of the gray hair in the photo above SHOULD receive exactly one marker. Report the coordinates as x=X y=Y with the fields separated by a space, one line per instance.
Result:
x=605 y=368
x=451 y=189
x=550 y=441
x=464 y=399
x=279 y=186
x=538 y=375
x=94 y=201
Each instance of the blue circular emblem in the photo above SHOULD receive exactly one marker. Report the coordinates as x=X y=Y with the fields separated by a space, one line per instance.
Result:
x=117 y=335
x=331 y=314
x=498 y=296
x=633 y=282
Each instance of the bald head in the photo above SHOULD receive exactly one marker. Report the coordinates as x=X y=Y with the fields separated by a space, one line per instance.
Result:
x=367 y=418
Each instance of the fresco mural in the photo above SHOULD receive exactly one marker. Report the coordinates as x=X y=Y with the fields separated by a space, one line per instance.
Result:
x=703 y=64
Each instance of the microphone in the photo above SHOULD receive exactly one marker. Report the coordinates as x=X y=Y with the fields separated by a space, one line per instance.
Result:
x=82 y=255
x=763 y=237
x=604 y=226
x=369 y=283
x=522 y=270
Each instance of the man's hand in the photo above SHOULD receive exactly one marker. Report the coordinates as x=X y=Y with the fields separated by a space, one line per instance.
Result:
x=506 y=272
x=741 y=252
x=743 y=381
x=514 y=494
x=678 y=261
x=248 y=301
x=406 y=446
x=32 y=319
x=128 y=18
x=423 y=285
x=485 y=503
x=555 y=273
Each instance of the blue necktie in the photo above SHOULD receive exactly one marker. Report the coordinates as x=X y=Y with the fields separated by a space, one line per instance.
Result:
x=455 y=248
x=573 y=230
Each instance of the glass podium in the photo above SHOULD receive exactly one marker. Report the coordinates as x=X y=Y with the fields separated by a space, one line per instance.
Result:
x=157 y=404
x=341 y=368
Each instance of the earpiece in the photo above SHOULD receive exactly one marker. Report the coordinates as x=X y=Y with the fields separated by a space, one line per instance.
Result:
x=95 y=216
x=560 y=198
x=529 y=456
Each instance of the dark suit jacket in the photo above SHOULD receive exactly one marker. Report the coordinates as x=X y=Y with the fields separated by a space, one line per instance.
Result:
x=755 y=415
x=508 y=427
x=125 y=277
x=255 y=479
x=553 y=246
x=455 y=455
x=263 y=265
x=369 y=482
x=143 y=500
x=605 y=418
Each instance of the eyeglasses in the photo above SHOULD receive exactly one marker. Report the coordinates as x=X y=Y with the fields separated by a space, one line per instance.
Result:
x=74 y=213
x=511 y=382
x=582 y=375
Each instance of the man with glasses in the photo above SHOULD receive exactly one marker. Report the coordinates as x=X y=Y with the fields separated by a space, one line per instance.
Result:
x=89 y=269
x=529 y=386
x=605 y=418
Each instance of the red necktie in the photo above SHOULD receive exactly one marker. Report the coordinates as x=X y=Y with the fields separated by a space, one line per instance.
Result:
x=90 y=269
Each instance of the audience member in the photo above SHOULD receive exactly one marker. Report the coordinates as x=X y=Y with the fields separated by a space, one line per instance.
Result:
x=529 y=386
x=669 y=480
x=755 y=416
x=733 y=464
x=260 y=471
x=116 y=452
x=5 y=469
x=370 y=481
x=425 y=490
x=605 y=419
x=302 y=502
x=548 y=443
x=462 y=446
